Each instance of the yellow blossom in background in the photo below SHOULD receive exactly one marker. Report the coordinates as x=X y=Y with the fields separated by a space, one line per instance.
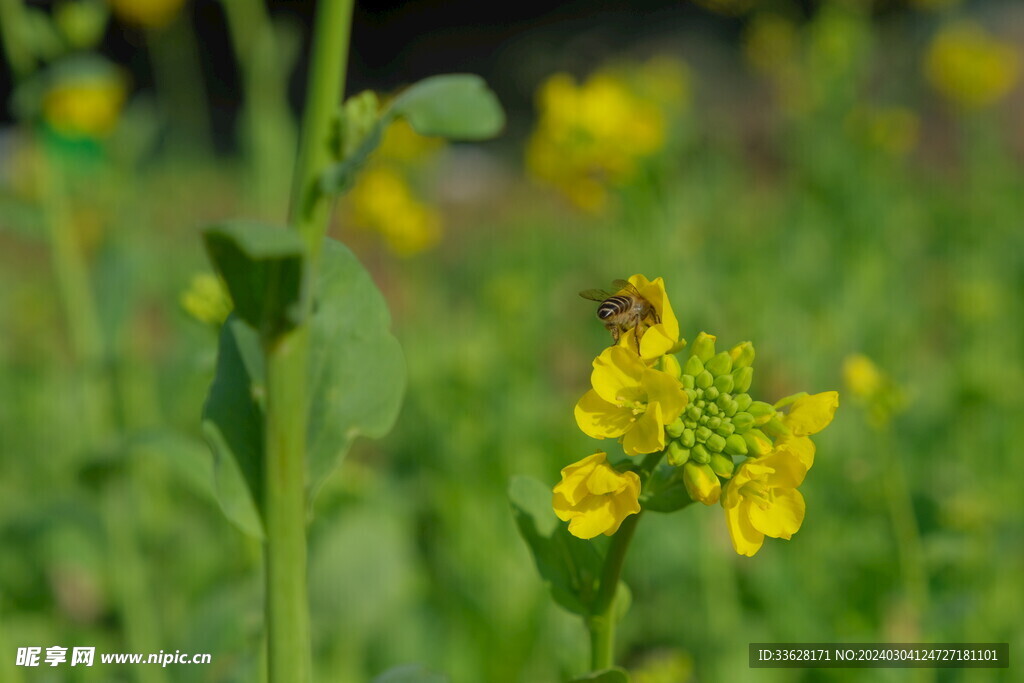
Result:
x=873 y=388
x=595 y=135
x=894 y=130
x=86 y=105
x=404 y=145
x=629 y=401
x=594 y=498
x=658 y=339
x=762 y=500
x=970 y=67
x=383 y=201
x=147 y=13
x=771 y=43
x=206 y=299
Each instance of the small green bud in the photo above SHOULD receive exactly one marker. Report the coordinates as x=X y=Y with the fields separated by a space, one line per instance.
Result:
x=714 y=423
x=687 y=381
x=688 y=438
x=726 y=429
x=742 y=355
x=743 y=421
x=676 y=428
x=711 y=409
x=691 y=394
x=735 y=445
x=722 y=465
x=694 y=366
x=723 y=401
x=711 y=393
x=693 y=412
x=703 y=346
x=731 y=408
x=690 y=424
x=704 y=379
x=715 y=443
x=702 y=434
x=701 y=403
x=677 y=455
x=743 y=401
x=724 y=383
x=701 y=483
x=761 y=411
x=720 y=364
x=700 y=454
x=670 y=364
x=774 y=428
x=742 y=378
x=703 y=420
x=757 y=443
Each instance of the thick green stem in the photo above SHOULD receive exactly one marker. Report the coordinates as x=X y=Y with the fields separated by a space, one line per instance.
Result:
x=601 y=622
x=287 y=360
x=287 y=603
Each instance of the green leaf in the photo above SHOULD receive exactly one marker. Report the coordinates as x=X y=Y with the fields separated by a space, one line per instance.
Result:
x=357 y=369
x=453 y=106
x=264 y=269
x=356 y=382
x=410 y=673
x=233 y=425
x=613 y=675
x=570 y=566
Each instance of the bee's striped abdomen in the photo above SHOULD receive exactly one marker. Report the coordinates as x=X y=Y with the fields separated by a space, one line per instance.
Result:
x=613 y=305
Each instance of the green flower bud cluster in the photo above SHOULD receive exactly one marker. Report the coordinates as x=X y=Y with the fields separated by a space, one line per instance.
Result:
x=721 y=420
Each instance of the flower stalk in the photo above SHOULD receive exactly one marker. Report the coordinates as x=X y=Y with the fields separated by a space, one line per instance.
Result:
x=287 y=360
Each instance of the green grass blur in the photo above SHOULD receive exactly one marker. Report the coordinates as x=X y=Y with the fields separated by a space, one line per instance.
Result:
x=781 y=208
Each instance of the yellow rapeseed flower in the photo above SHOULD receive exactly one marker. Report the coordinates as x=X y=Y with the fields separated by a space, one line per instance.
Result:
x=383 y=202
x=658 y=339
x=629 y=401
x=206 y=299
x=86 y=106
x=970 y=67
x=146 y=13
x=892 y=129
x=762 y=500
x=595 y=135
x=594 y=498
x=807 y=415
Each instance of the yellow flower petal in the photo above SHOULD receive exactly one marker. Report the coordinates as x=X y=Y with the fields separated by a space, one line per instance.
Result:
x=573 y=486
x=782 y=517
x=746 y=540
x=701 y=483
x=594 y=516
x=800 y=446
x=600 y=419
x=605 y=480
x=654 y=292
x=616 y=374
x=810 y=414
x=594 y=498
x=666 y=391
x=647 y=434
x=787 y=471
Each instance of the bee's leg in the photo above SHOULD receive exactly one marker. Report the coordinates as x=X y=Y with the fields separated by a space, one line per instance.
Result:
x=638 y=332
x=614 y=329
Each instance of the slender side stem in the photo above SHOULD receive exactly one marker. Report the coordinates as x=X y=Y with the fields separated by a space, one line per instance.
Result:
x=602 y=622
x=287 y=361
x=309 y=211
x=13 y=34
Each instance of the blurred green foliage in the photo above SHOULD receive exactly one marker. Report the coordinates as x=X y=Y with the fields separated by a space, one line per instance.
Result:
x=793 y=209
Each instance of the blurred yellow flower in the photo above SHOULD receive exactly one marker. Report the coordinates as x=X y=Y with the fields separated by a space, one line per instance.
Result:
x=658 y=339
x=86 y=105
x=862 y=376
x=383 y=202
x=146 y=13
x=206 y=299
x=595 y=135
x=970 y=67
x=762 y=500
x=404 y=145
x=594 y=498
x=771 y=43
x=629 y=401
x=894 y=130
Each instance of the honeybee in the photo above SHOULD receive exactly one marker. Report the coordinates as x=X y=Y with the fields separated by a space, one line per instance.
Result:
x=624 y=310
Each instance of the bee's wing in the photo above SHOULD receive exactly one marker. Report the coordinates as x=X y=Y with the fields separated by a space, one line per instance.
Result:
x=626 y=285
x=595 y=294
